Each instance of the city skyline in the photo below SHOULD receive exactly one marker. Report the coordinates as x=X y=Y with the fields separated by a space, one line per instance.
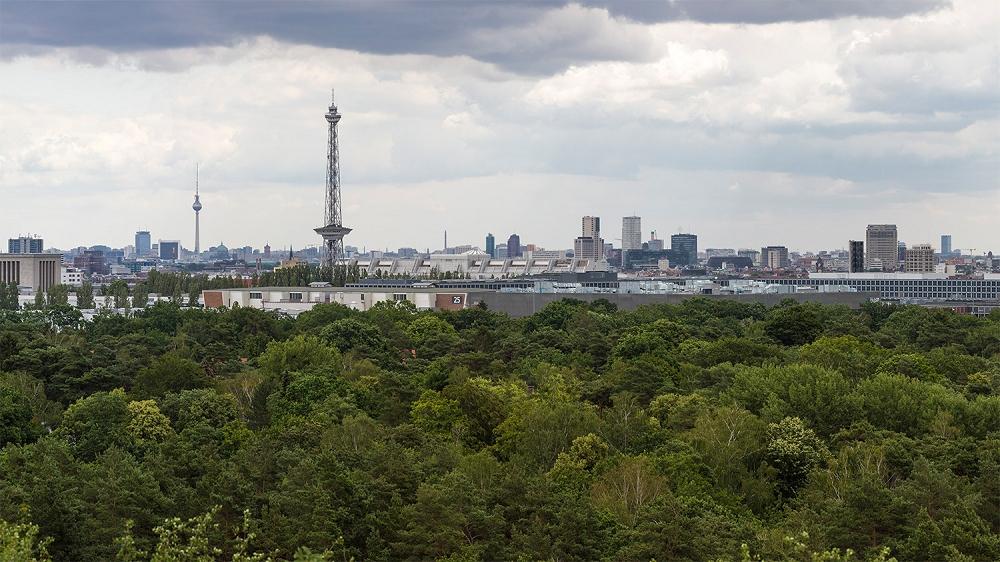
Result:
x=860 y=125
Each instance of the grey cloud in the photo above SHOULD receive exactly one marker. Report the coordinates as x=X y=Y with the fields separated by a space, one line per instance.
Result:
x=440 y=27
x=764 y=11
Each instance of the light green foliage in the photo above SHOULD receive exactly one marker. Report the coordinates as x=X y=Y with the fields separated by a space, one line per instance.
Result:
x=794 y=450
x=818 y=395
x=853 y=358
x=21 y=543
x=628 y=488
x=903 y=404
x=186 y=540
x=146 y=424
x=731 y=441
x=301 y=353
x=434 y=413
x=539 y=429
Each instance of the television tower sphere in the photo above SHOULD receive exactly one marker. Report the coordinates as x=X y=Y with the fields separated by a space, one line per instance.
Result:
x=197 y=204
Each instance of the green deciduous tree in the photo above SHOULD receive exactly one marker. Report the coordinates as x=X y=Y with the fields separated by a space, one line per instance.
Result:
x=794 y=450
x=85 y=296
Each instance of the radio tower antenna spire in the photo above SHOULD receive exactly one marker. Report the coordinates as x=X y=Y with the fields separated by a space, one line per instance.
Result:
x=197 y=212
x=333 y=231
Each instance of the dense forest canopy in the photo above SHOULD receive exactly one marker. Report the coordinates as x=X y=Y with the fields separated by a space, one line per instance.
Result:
x=710 y=430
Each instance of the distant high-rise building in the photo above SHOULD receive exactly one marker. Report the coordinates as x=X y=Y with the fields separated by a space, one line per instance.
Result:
x=919 y=259
x=586 y=247
x=655 y=244
x=589 y=245
x=856 y=256
x=774 y=257
x=514 y=246
x=754 y=256
x=170 y=249
x=143 y=243
x=491 y=245
x=719 y=252
x=946 y=244
x=686 y=243
x=93 y=262
x=631 y=233
x=500 y=252
x=881 y=248
x=900 y=254
x=24 y=245
x=267 y=251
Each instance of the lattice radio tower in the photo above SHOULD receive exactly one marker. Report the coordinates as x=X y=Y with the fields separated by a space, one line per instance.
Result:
x=333 y=231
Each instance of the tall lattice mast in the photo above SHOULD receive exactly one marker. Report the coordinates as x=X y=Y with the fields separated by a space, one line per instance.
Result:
x=333 y=231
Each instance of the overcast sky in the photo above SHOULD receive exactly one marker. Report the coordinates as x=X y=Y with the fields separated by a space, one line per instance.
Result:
x=748 y=122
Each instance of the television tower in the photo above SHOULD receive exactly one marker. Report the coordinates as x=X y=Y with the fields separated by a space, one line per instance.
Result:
x=334 y=231
x=197 y=214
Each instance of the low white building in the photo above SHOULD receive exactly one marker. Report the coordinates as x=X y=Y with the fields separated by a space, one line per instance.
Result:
x=295 y=300
x=72 y=276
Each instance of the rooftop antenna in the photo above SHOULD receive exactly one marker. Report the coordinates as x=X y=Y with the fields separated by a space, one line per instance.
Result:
x=197 y=211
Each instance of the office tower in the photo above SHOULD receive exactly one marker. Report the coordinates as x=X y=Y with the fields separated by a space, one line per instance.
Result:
x=856 y=256
x=93 y=262
x=654 y=244
x=334 y=231
x=514 y=246
x=143 y=243
x=24 y=245
x=753 y=255
x=589 y=245
x=945 y=244
x=774 y=257
x=719 y=252
x=900 y=253
x=687 y=244
x=491 y=245
x=501 y=251
x=197 y=214
x=585 y=247
x=169 y=249
x=267 y=251
x=919 y=259
x=631 y=233
x=881 y=250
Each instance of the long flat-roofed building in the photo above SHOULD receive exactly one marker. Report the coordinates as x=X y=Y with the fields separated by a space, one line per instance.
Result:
x=910 y=287
x=516 y=297
x=37 y=272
